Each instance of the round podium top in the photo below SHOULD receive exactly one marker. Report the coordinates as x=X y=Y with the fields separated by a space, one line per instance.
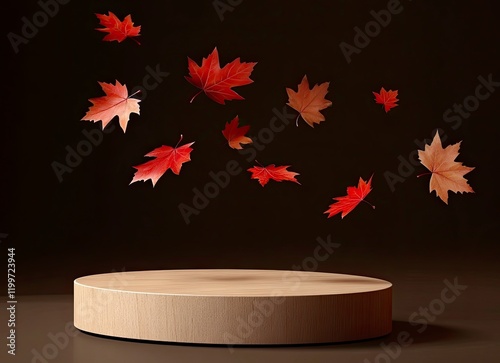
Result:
x=238 y=283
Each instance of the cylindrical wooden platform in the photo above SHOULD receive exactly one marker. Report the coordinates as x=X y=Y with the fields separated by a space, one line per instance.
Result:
x=233 y=307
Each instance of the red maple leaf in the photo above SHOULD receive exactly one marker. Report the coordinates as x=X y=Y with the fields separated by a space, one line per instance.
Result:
x=117 y=102
x=118 y=30
x=446 y=173
x=166 y=157
x=217 y=82
x=354 y=196
x=309 y=102
x=386 y=98
x=277 y=173
x=235 y=135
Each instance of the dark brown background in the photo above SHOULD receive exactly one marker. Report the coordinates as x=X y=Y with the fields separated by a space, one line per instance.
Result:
x=93 y=221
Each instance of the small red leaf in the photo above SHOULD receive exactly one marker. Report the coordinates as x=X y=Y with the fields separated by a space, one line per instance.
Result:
x=166 y=157
x=277 y=173
x=235 y=135
x=386 y=98
x=354 y=196
x=118 y=30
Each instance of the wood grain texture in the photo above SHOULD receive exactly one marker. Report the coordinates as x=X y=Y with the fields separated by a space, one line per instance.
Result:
x=233 y=306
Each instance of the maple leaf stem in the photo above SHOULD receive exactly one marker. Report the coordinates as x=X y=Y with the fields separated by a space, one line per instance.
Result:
x=419 y=175
x=135 y=40
x=297 y=120
x=259 y=163
x=178 y=142
x=133 y=94
x=192 y=99
x=371 y=205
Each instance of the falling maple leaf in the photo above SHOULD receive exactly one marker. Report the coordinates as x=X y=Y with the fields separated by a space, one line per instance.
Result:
x=355 y=195
x=117 y=102
x=386 y=98
x=235 y=135
x=166 y=157
x=308 y=102
x=217 y=82
x=447 y=174
x=277 y=173
x=118 y=30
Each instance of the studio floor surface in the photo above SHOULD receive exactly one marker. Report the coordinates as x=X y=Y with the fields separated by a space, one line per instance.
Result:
x=448 y=318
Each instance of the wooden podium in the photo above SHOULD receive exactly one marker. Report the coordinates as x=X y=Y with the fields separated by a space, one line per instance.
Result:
x=233 y=307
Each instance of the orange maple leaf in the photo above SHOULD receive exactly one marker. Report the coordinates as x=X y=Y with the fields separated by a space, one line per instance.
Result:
x=308 y=102
x=447 y=174
x=236 y=135
x=166 y=157
x=118 y=30
x=386 y=98
x=217 y=82
x=117 y=102
x=277 y=173
x=355 y=195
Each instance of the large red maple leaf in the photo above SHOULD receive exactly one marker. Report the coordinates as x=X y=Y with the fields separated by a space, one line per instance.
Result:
x=446 y=173
x=166 y=157
x=277 y=173
x=309 y=102
x=235 y=135
x=354 y=196
x=118 y=30
x=217 y=82
x=117 y=102
x=386 y=98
